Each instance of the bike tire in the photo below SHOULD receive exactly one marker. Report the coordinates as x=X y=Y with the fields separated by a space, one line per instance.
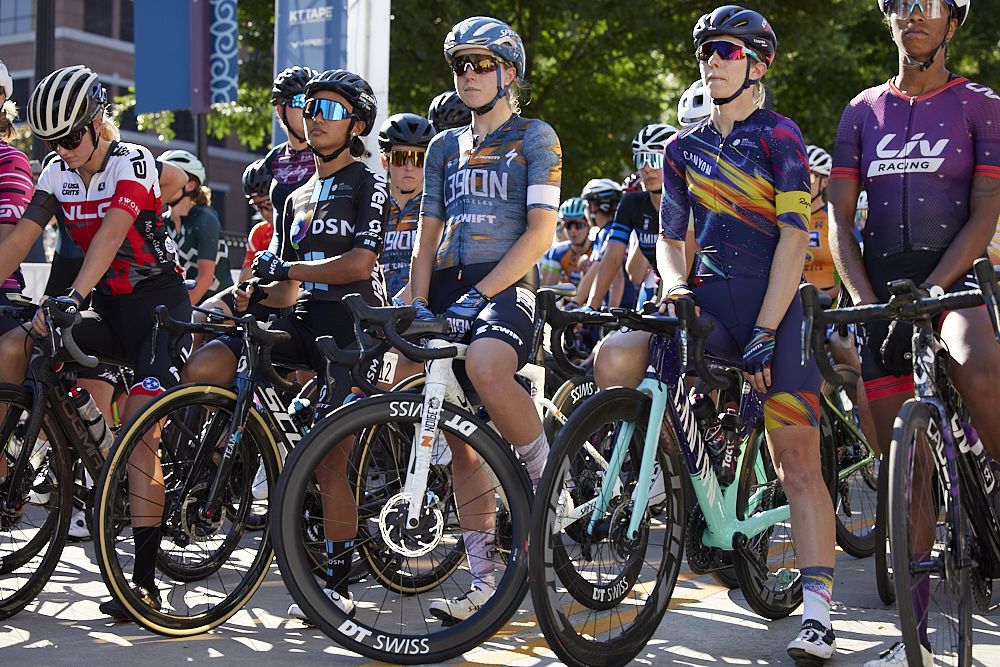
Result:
x=196 y=608
x=884 y=580
x=32 y=539
x=387 y=627
x=559 y=593
x=570 y=394
x=917 y=496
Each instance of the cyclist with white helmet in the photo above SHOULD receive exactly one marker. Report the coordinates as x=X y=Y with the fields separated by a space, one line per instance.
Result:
x=819 y=269
x=924 y=147
x=565 y=261
x=110 y=197
x=402 y=141
x=447 y=111
x=695 y=104
x=196 y=231
x=637 y=215
x=491 y=192
x=601 y=196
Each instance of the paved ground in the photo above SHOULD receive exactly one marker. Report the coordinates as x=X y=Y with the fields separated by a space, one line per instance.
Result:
x=708 y=626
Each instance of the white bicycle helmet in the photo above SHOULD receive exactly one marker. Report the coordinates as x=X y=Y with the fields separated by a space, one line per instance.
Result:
x=863 y=201
x=187 y=161
x=653 y=138
x=64 y=101
x=6 y=82
x=820 y=161
x=961 y=7
x=695 y=104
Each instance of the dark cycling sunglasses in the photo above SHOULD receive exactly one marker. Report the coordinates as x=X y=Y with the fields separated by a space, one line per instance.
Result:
x=479 y=62
x=330 y=110
x=399 y=157
x=296 y=101
x=575 y=224
x=71 y=141
x=263 y=206
x=726 y=51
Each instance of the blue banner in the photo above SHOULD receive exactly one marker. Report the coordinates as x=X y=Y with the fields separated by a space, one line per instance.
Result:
x=225 y=44
x=309 y=33
x=162 y=75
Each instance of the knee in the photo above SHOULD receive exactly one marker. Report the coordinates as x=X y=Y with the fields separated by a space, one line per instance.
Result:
x=799 y=470
x=211 y=364
x=619 y=363
x=488 y=373
x=14 y=353
x=978 y=380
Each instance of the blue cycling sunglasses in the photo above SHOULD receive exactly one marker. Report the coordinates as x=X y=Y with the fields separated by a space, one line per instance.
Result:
x=330 y=110
x=930 y=9
x=297 y=101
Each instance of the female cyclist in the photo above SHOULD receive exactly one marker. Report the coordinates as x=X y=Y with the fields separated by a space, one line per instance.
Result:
x=291 y=164
x=567 y=260
x=491 y=191
x=327 y=241
x=930 y=216
x=447 y=111
x=753 y=247
x=256 y=188
x=110 y=198
x=196 y=231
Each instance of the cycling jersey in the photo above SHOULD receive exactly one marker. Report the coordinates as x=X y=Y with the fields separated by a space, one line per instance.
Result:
x=743 y=189
x=258 y=241
x=200 y=237
x=915 y=158
x=564 y=259
x=636 y=215
x=483 y=192
x=16 y=188
x=400 y=236
x=127 y=180
x=819 y=268
x=289 y=170
x=327 y=217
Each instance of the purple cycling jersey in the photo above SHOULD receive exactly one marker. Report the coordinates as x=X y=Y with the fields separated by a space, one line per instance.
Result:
x=916 y=158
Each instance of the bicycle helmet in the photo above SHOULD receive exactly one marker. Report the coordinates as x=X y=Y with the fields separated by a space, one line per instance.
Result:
x=863 y=201
x=820 y=161
x=6 y=82
x=604 y=191
x=187 y=161
x=744 y=24
x=572 y=209
x=653 y=138
x=496 y=36
x=960 y=8
x=448 y=111
x=290 y=82
x=405 y=129
x=695 y=104
x=256 y=179
x=64 y=101
x=353 y=88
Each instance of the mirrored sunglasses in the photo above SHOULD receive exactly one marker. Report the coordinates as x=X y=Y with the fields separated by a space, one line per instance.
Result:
x=330 y=110
x=297 y=101
x=480 y=63
x=931 y=9
x=399 y=157
x=648 y=159
x=726 y=51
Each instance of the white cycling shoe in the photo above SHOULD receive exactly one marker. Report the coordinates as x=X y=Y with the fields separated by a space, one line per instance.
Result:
x=456 y=610
x=896 y=657
x=342 y=602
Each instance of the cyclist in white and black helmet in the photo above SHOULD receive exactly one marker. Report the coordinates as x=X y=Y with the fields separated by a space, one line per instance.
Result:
x=447 y=111
x=695 y=105
x=601 y=196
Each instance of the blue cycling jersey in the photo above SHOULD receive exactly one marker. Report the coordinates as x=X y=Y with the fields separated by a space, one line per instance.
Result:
x=483 y=192
x=637 y=215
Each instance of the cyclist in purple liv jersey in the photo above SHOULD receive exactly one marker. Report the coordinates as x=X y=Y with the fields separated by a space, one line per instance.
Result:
x=925 y=147
x=744 y=176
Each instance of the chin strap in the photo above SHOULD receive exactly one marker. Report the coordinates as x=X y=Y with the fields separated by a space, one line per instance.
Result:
x=288 y=126
x=333 y=156
x=93 y=140
x=501 y=92
x=924 y=66
x=747 y=83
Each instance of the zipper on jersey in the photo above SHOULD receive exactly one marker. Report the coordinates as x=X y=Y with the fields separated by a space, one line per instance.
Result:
x=906 y=181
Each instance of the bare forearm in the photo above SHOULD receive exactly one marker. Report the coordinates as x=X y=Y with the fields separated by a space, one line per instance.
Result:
x=15 y=243
x=671 y=262
x=350 y=267
x=786 y=274
x=610 y=267
x=844 y=245
x=424 y=255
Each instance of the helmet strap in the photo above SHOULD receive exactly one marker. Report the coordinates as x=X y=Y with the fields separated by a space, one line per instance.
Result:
x=335 y=154
x=501 y=92
x=747 y=83
x=288 y=126
x=93 y=139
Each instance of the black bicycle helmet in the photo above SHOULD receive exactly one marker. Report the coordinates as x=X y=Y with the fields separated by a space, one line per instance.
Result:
x=354 y=89
x=256 y=179
x=290 y=82
x=448 y=111
x=739 y=22
x=405 y=129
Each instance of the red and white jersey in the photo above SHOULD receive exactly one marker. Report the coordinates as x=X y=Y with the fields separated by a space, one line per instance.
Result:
x=127 y=180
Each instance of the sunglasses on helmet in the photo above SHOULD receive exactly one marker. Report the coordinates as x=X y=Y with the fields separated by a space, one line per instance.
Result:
x=726 y=51
x=71 y=141
x=903 y=9
x=648 y=159
x=480 y=63
x=330 y=110
x=399 y=157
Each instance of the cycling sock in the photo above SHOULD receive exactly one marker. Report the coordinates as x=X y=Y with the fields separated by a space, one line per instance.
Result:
x=147 y=543
x=817 y=591
x=534 y=455
x=921 y=600
x=480 y=547
x=338 y=564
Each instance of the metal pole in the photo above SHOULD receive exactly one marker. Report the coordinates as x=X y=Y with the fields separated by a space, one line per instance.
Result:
x=45 y=57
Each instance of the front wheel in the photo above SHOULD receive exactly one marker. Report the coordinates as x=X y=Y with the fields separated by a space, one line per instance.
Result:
x=600 y=593
x=884 y=581
x=930 y=539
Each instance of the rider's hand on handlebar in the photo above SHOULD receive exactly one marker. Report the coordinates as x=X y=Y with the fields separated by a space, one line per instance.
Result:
x=423 y=312
x=897 y=348
x=757 y=356
x=464 y=312
x=67 y=304
x=673 y=294
x=269 y=266
x=246 y=294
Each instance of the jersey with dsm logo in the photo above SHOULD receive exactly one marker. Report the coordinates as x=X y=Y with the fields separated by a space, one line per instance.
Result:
x=328 y=217
x=742 y=189
x=483 y=192
x=636 y=215
x=400 y=235
x=127 y=181
x=916 y=158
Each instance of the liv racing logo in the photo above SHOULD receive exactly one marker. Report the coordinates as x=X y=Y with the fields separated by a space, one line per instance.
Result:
x=919 y=155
